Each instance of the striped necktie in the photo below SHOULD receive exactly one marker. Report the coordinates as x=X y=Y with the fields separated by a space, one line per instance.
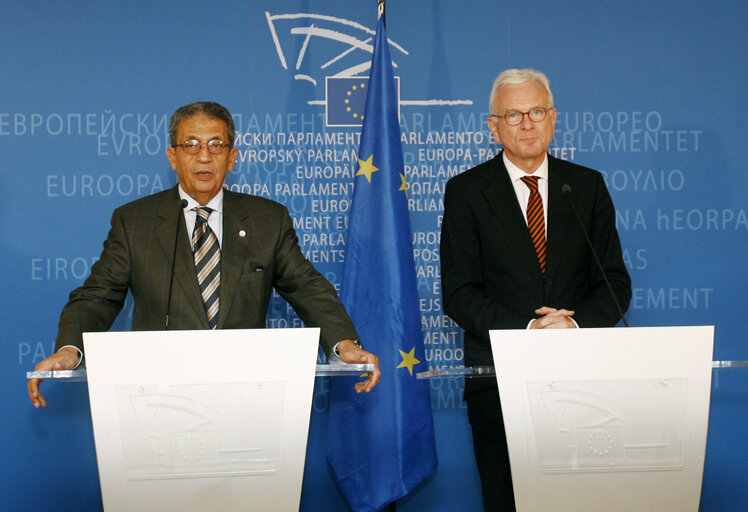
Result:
x=536 y=219
x=207 y=263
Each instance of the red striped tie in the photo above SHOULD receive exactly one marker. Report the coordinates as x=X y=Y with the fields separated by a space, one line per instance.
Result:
x=536 y=219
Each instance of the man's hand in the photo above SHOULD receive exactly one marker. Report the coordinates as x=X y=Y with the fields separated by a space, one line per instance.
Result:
x=350 y=353
x=64 y=359
x=552 y=318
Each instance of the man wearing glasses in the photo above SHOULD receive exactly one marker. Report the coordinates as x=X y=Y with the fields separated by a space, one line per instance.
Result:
x=228 y=250
x=514 y=256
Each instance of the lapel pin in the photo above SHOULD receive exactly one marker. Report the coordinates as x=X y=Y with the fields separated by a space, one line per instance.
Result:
x=242 y=233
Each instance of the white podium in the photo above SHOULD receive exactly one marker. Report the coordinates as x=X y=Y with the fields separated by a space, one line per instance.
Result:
x=605 y=419
x=201 y=420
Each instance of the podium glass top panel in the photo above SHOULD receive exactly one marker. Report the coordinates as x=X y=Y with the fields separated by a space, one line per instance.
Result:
x=323 y=370
x=490 y=371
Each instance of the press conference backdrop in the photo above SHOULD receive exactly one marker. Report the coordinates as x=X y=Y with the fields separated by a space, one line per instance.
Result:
x=651 y=94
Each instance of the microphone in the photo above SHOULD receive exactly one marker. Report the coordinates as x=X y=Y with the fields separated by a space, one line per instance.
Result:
x=566 y=190
x=183 y=204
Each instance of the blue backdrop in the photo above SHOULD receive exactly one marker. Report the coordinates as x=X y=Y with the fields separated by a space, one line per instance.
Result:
x=652 y=95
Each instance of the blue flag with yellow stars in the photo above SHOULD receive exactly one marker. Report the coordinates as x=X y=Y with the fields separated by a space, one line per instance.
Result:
x=381 y=444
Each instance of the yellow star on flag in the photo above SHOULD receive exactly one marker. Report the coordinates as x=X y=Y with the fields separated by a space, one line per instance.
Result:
x=404 y=186
x=409 y=360
x=367 y=168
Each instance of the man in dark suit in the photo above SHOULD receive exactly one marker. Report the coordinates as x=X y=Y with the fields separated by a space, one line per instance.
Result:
x=253 y=249
x=503 y=271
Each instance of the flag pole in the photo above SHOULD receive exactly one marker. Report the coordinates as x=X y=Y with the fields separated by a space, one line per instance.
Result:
x=392 y=507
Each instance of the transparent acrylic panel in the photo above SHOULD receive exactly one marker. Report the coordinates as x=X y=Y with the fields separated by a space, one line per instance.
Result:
x=201 y=430
x=609 y=425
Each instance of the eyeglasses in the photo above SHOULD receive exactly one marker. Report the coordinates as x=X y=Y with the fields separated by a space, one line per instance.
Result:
x=194 y=146
x=514 y=117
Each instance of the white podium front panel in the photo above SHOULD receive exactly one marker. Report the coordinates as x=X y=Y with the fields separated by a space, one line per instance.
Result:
x=201 y=420
x=605 y=419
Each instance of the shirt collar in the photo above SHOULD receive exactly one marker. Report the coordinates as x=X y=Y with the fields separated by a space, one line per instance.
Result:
x=216 y=204
x=515 y=173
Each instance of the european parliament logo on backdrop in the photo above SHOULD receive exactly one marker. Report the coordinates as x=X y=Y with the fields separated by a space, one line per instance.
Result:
x=341 y=51
x=346 y=98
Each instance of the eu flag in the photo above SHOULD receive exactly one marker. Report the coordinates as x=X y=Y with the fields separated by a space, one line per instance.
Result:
x=381 y=444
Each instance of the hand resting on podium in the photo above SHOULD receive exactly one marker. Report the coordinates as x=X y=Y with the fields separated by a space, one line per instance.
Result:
x=350 y=353
x=67 y=358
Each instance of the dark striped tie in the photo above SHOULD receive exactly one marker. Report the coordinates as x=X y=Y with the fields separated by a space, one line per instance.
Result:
x=207 y=263
x=536 y=219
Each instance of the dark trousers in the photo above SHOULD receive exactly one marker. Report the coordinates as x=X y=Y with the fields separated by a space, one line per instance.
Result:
x=489 y=443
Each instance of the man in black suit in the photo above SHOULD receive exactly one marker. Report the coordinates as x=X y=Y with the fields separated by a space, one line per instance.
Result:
x=501 y=272
x=257 y=251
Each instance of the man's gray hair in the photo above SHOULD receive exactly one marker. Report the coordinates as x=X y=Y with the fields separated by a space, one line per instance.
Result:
x=208 y=108
x=516 y=77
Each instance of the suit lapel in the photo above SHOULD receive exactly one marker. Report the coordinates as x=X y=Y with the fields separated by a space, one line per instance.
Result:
x=560 y=217
x=184 y=264
x=233 y=251
x=499 y=192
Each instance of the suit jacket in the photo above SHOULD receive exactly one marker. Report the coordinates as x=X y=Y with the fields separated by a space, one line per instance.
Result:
x=491 y=278
x=259 y=251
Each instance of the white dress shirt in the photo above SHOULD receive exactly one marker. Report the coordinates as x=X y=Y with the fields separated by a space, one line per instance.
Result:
x=523 y=191
x=523 y=194
x=215 y=220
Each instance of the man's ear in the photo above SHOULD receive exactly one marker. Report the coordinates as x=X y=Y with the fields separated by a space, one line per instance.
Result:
x=494 y=128
x=233 y=152
x=171 y=154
